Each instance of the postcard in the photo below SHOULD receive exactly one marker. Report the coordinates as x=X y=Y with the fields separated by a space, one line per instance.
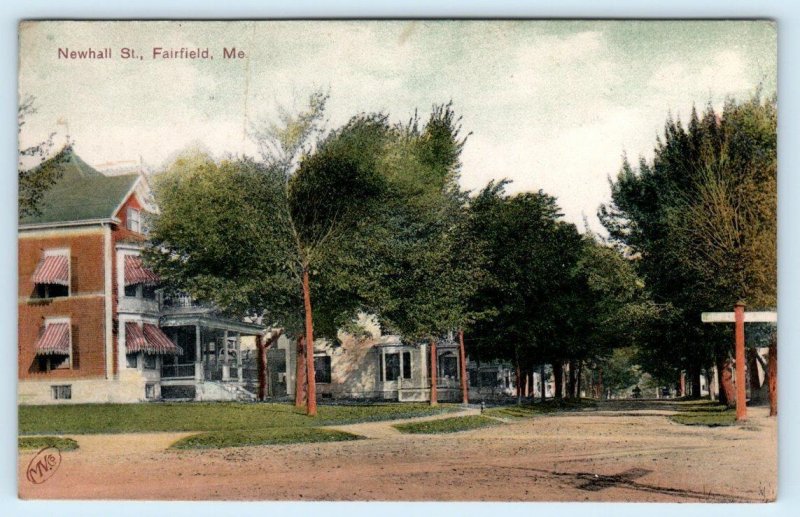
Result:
x=398 y=260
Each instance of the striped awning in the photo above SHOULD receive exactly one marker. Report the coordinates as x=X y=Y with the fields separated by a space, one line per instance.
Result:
x=53 y=269
x=136 y=273
x=152 y=341
x=54 y=340
x=134 y=338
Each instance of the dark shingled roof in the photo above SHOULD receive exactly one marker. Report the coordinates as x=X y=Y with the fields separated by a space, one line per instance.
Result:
x=81 y=193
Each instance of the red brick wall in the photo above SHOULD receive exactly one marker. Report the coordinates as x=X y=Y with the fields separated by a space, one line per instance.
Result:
x=84 y=306
x=120 y=233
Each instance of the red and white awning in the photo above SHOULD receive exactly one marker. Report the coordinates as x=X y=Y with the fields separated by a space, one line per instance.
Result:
x=149 y=340
x=54 y=340
x=136 y=273
x=53 y=269
x=134 y=338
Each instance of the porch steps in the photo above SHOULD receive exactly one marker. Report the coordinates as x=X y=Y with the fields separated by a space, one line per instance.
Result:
x=238 y=392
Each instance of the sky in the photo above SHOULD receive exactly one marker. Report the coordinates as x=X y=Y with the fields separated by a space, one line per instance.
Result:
x=550 y=105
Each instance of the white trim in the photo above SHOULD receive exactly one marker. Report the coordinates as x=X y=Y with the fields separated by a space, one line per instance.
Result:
x=126 y=196
x=60 y=224
x=108 y=303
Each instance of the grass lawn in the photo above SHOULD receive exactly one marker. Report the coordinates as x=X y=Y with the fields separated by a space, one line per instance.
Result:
x=203 y=416
x=708 y=414
x=271 y=436
x=447 y=425
x=539 y=408
x=35 y=443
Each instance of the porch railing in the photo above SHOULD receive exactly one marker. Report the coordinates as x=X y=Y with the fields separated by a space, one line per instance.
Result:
x=172 y=371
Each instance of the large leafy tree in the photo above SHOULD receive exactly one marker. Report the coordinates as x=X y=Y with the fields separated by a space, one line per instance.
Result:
x=533 y=286
x=422 y=264
x=700 y=220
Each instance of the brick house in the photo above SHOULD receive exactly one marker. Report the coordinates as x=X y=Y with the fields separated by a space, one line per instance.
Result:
x=92 y=326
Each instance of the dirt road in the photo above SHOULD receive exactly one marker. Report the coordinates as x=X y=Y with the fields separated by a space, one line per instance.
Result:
x=619 y=453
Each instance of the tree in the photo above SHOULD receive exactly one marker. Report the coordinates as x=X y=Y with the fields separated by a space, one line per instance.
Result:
x=700 y=221
x=35 y=172
x=529 y=296
x=424 y=265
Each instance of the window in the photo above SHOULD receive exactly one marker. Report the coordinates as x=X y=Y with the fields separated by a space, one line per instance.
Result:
x=148 y=292
x=473 y=378
x=149 y=362
x=53 y=347
x=51 y=278
x=131 y=360
x=63 y=392
x=392 y=372
x=131 y=290
x=134 y=222
x=51 y=290
x=488 y=379
x=448 y=366
x=149 y=391
x=406 y=365
x=322 y=369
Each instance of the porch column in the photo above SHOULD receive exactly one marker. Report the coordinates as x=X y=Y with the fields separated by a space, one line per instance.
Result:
x=383 y=365
x=239 y=356
x=226 y=369
x=400 y=378
x=198 y=355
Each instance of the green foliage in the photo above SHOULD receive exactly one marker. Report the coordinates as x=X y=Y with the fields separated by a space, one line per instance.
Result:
x=35 y=443
x=35 y=173
x=447 y=425
x=700 y=222
x=527 y=301
x=204 y=416
x=418 y=265
x=221 y=236
x=620 y=369
x=256 y=437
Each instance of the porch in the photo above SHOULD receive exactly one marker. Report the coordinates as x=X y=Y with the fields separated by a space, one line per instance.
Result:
x=212 y=350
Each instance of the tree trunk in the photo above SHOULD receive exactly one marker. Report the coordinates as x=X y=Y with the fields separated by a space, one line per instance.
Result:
x=571 y=379
x=558 y=374
x=681 y=384
x=600 y=383
x=463 y=360
x=697 y=391
x=519 y=383
x=300 y=374
x=752 y=372
x=727 y=394
x=434 y=366
x=543 y=384
x=772 y=377
x=262 y=367
x=311 y=399
x=578 y=380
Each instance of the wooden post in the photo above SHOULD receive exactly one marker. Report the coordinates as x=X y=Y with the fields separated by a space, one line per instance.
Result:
x=463 y=359
x=434 y=391
x=682 y=384
x=741 y=401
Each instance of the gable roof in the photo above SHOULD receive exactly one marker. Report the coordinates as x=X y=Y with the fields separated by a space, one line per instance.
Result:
x=81 y=193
